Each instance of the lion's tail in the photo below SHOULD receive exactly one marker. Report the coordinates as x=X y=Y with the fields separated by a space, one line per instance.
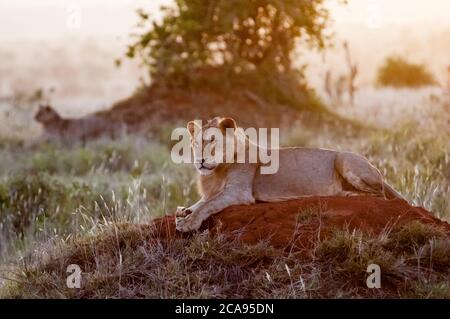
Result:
x=391 y=193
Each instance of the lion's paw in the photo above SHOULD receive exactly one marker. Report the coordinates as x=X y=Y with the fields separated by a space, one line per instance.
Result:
x=188 y=223
x=182 y=211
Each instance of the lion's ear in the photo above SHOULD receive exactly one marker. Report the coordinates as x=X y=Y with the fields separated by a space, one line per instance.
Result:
x=227 y=122
x=191 y=127
x=194 y=125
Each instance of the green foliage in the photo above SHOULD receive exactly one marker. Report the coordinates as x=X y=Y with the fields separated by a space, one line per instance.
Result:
x=397 y=72
x=241 y=35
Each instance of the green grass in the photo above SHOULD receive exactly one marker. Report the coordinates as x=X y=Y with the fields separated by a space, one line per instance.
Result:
x=51 y=189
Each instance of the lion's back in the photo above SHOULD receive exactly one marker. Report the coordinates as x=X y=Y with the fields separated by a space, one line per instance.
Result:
x=79 y=129
x=305 y=171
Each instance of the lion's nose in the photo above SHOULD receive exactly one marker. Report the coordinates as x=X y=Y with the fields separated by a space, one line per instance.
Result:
x=200 y=161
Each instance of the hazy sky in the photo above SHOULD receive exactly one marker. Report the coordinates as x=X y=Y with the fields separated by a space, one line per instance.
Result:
x=392 y=11
x=58 y=18
x=55 y=18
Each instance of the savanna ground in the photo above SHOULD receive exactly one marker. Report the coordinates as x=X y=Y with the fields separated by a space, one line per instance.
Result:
x=88 y=204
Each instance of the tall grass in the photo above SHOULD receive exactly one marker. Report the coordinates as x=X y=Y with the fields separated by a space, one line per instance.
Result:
x=52 y=189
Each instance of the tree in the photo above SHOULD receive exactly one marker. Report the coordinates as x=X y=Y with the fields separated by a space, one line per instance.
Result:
x=235 y=38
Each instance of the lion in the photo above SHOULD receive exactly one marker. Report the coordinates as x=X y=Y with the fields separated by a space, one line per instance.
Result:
x=302 y=172
x=57 y=127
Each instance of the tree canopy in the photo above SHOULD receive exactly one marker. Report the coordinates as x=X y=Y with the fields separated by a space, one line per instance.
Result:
x=235 y=36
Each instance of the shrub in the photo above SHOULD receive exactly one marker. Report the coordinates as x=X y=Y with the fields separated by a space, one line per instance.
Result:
x=397 y=72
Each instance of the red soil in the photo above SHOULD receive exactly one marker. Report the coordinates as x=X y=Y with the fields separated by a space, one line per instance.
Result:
x=297 y=224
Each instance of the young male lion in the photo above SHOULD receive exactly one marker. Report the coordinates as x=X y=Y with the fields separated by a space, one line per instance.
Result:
x=302 y=172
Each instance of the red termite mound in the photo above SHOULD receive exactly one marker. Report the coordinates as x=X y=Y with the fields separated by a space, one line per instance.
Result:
x=298 y=224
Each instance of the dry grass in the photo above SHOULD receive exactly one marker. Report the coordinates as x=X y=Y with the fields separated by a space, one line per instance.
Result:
x=124 y=260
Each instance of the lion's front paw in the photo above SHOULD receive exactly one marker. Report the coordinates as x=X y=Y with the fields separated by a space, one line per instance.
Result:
x=188 y=223
x=182 y=211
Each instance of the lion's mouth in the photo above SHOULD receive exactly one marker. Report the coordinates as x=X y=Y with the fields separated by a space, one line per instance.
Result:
x=205 y=171
x=203 y=167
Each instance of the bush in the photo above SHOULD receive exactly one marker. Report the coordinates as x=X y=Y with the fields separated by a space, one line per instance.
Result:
x=398 y=73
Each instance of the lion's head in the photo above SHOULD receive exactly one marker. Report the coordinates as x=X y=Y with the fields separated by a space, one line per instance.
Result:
x=46 y=115
x=209 y=143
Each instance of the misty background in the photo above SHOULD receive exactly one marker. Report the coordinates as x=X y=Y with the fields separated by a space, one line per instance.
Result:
x=41 y=47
